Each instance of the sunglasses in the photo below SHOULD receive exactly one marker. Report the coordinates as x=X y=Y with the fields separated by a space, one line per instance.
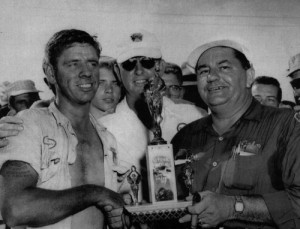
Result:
x=130 y=64
x=295 y=83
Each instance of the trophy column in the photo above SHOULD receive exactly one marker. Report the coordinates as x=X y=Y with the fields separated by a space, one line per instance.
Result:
x=160 y=161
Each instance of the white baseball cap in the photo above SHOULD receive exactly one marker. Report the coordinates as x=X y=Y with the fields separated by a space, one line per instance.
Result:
x=140 y=43
x=294 y=64
x=196 y=53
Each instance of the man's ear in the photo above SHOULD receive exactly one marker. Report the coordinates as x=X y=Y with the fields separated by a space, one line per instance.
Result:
x=49 y=72
x=250 y=76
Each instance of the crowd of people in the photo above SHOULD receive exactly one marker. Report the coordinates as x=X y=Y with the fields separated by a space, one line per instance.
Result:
x=65 y=161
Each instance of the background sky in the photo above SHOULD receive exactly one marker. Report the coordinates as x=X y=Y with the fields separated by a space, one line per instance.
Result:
x=269 y=28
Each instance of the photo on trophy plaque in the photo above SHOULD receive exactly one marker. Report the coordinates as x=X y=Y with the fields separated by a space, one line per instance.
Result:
x=161 y=173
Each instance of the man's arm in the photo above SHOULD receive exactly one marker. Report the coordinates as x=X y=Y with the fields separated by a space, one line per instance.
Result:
x=24 y=204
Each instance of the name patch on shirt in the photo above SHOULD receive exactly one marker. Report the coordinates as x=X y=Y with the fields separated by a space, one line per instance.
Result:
x=246 y=148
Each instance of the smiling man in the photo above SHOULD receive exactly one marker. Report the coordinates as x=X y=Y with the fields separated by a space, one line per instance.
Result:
x=55 y=170
x=246 y=160
x=140 y=58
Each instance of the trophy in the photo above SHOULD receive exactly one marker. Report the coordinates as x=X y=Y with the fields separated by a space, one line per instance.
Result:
x=134 y=179
x=154 y=98
x=188 y=172
x=160 y=161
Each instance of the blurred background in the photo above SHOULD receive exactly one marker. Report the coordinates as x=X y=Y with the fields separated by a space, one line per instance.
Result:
x=269 y=28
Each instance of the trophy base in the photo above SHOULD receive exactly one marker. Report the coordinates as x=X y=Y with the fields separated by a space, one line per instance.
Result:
x=158 y=141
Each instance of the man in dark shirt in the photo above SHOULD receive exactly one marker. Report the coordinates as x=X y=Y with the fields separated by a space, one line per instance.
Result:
x=245 y=155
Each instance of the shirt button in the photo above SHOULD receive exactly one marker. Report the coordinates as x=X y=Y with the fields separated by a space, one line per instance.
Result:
x=221 y=139
x=214 y=164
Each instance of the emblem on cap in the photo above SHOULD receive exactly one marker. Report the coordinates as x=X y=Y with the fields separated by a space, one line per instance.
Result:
x=137 y=37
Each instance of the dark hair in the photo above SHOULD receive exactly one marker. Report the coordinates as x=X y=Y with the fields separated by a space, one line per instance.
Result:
x=63 y=39
x=289 y=103
x=268 y=80
x=242 y=58
x=175 y=69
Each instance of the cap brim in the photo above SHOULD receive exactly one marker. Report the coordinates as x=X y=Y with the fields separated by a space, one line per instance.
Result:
x=196 y=53
x=292 y=70
x=147 y=52
x=15 y=93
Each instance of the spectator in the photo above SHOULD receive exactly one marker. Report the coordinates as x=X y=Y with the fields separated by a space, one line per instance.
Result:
x=53 y=170
x=267 y=91
x=294 y=74
x=110 y=88
x=246 y=159
x=173 y=79
x=21 y=95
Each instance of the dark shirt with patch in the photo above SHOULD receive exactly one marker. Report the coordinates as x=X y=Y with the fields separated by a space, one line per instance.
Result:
x=260 y=154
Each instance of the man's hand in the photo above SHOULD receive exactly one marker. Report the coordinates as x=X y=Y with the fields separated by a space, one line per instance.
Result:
x=111 y=203
x=297 y=108
x=9 y=126
x=212 y=210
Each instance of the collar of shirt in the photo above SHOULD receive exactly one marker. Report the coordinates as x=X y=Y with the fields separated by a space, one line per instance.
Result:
x=252 y=113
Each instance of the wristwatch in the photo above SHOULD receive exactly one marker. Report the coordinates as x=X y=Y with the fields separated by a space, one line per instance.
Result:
x=238 y=205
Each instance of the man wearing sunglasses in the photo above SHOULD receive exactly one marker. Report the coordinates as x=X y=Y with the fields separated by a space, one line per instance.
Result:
x=294 y=73
x=139 y=59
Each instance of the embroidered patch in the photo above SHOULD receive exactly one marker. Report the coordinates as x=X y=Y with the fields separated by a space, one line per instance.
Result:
x=137 y=37
x=246 y=148
x=49 y=141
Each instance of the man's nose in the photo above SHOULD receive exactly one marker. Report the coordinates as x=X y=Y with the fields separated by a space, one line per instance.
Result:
x=213 y=75
x=109 y=88
x=139 y=69
x=86 y=70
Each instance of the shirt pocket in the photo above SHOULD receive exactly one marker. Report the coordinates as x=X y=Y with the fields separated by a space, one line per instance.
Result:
x=51 y=162
x=241 y=172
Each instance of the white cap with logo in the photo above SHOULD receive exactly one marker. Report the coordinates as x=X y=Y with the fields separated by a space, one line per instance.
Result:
x=140 y=43
x=196 y=53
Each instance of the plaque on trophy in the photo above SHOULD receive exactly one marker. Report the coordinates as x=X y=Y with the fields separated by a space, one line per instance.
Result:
x=160 y=161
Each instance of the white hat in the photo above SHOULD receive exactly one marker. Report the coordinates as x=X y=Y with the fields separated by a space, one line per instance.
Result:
x=294 y=64
x=21 y=87
x=196 y=53
x=141 y=43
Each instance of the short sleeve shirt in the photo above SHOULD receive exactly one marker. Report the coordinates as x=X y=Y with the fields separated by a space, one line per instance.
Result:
x=48 y=144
